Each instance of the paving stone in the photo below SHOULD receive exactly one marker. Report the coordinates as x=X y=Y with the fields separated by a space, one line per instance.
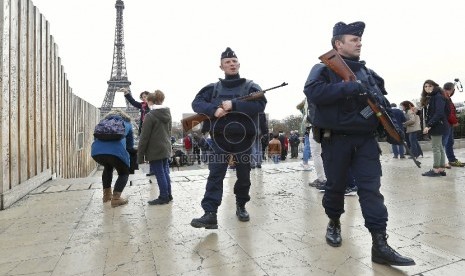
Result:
x=64 y=224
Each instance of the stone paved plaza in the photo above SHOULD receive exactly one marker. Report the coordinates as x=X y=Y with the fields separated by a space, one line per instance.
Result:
x=63 y=228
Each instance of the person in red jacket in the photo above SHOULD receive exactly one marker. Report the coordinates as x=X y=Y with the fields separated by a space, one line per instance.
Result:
x=188 y=146
x=448 y=138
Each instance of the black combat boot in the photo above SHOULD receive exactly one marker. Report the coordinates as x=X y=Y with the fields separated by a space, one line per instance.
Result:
x=382 y=253
x=241 y=212
x=208 y=221
x=333 y=233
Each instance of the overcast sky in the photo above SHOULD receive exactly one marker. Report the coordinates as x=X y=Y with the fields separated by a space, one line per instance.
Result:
x=175 y=46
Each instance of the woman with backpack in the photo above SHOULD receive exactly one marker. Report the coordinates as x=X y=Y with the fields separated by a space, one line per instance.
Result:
x=112 y=154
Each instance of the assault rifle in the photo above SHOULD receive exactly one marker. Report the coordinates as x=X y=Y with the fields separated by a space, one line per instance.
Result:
x=334 y=61
x=190 y=122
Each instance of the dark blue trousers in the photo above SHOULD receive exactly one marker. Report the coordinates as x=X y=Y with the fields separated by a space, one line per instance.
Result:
x=161 y=170
x=218 y=164
x=361 y=155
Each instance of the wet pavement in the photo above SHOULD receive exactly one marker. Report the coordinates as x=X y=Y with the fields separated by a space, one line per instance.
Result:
x=63 y=228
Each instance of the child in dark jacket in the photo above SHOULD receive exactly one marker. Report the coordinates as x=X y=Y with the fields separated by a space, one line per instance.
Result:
x=155 y=145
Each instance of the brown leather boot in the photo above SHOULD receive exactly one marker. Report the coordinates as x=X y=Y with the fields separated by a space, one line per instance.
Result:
x=117 y=200
x=107 y=195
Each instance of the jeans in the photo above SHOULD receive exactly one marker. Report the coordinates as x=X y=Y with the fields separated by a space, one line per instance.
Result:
x=161 y=170
x=307 y=154
x=196 y=152
x=439 y=156
x=398 y=150
x=275 y=158
x=318 y=162
x=414 y=145
x=448 y=143
x=256 y=156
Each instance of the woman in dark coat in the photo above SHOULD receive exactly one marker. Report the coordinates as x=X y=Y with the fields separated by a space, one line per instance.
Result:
x=143 y=106
x=114 y=155
x=434 y=101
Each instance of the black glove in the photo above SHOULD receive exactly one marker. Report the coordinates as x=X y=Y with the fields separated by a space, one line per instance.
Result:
x=362 y=93
x=362 y=89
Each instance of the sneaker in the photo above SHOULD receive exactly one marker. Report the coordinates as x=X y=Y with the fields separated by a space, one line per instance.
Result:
x=456 y=163
x=432 y=173
x=316 y=183
x=442 y=173
x=321 y=187
x=259 y=166
x=402 y=157
x=306 y=167
x=159 y=201
x=351 y=191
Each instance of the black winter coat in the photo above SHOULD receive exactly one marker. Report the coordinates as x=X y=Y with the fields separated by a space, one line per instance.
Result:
x=435 y=114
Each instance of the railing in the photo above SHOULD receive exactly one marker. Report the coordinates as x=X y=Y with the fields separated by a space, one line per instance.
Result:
x=40 y=118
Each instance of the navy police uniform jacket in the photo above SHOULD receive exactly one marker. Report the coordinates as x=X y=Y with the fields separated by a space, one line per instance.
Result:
x=338 y=106
x=244 y=114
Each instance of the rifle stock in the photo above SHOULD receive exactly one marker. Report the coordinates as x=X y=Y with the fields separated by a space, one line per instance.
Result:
x=333 y=60
x=190 y=122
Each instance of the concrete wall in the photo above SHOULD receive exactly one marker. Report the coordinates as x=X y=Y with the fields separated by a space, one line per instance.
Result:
x=40 y=118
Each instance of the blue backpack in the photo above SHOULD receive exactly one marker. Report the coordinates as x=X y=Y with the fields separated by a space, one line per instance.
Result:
x=110 y=129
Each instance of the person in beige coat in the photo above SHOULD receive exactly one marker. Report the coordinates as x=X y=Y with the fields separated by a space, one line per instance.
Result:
x=274 y=149
x=412 y=125
x=155 y=145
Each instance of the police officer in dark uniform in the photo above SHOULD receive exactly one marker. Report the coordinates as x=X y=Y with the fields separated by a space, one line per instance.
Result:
x=348 y=140
x=233 y=130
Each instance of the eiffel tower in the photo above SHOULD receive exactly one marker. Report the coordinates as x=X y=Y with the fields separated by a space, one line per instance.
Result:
x=119 y=75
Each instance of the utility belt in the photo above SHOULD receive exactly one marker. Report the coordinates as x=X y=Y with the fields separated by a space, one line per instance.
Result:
x=320 y=134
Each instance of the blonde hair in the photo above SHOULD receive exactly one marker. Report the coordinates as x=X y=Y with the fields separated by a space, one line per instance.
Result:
x=157 y=97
